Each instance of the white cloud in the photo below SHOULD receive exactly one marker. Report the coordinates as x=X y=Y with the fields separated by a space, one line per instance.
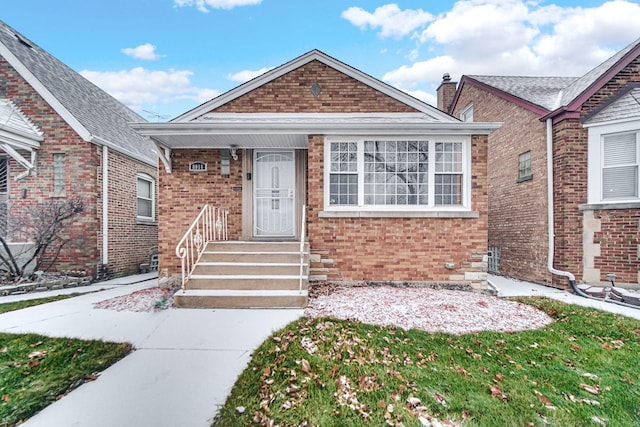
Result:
x=144 y=51
x=516 y=37
x=246 y=75
x=215 y=4
x=140 y=87
x=392 y=21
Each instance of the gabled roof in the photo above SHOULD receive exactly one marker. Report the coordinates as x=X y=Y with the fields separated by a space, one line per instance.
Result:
x=94 y=115
x=625 y=107
x=553 y=96
x=315 y=55
x=541 y=91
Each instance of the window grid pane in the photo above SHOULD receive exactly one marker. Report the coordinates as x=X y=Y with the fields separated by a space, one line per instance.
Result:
x=448 y=173
x=396 y=172
x=524 y=167
x=343 y=185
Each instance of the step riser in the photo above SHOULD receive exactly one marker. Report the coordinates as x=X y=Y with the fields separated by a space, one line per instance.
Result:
x=245 y=270
x=253 y=247
x=247 y=284
x=249 y=257
x=240 y=302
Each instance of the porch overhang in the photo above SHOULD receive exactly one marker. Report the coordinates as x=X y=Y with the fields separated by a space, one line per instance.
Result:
x=286 y=130
x=18 y=135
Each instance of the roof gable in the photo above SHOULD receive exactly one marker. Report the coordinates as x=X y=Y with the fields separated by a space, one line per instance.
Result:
x=307 y=60
x=625 y=106
x=93 y=114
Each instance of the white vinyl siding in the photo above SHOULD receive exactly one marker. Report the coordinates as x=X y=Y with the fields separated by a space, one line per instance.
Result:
x=397 y=174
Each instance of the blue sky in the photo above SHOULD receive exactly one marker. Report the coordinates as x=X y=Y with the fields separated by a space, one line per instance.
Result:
x=168 y=56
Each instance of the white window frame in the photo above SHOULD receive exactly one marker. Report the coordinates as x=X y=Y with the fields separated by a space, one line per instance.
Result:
x=595 y=159
x=152 y=183
x=431 y=206
x=466 y=115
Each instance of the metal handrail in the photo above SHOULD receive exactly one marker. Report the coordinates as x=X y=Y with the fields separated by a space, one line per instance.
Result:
x=210 y=225
x=302 y=238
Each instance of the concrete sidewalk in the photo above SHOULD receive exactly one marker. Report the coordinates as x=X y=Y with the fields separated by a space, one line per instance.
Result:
x=184 y=366
x=508 y=287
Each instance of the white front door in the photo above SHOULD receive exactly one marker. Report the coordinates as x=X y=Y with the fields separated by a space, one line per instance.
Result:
x=274 y=193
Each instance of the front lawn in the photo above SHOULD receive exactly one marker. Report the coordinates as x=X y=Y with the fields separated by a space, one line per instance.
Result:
x=18 y=305
x=580 y=370
x=37 y=370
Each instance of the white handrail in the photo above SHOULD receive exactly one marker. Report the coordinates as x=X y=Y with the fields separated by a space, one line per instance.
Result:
x=210 y=225
x=302 y=238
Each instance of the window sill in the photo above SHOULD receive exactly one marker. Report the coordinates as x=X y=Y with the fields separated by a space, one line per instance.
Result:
x=609 y=206
x=524 y=179
x=398 y=214
x=142 y=221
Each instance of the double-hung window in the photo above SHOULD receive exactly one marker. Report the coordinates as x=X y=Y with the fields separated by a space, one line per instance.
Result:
x=614 y=163
x=620 y=161
x=396 y=174
x=145 y=198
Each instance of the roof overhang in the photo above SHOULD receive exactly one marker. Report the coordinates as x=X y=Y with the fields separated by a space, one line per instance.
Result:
x=291 y=130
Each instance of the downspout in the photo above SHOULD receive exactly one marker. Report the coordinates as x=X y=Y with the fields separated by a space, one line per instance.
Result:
x=552 y=270
x=551 y=233
x=105 y=205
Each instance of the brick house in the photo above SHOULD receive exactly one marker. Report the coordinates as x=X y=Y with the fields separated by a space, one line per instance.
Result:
x=394 y=189
x=592 y=124
x=61 y=137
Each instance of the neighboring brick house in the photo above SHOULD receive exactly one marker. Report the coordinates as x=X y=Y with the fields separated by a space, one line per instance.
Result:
x=61 y=137
x=396 y=190
x=593 y=125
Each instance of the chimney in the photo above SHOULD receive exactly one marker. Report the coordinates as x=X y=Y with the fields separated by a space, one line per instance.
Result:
x=446 y=92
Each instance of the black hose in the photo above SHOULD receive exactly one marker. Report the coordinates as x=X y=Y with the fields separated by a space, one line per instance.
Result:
x=578 y=291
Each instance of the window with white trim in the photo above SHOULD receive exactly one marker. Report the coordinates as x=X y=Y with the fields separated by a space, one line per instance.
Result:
x=614 y=163
x=145 y=198
x=467 y=114
x=620 y=162
x=381 y=174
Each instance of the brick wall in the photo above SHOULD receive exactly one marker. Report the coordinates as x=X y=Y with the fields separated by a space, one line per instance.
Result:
x=291 y=93
x=184 y=193
x=398 y=249
x=517 y=211
x=619 y=240
x=131 y=242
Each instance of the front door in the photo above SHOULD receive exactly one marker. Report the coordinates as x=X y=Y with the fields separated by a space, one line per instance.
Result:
x=274 y=193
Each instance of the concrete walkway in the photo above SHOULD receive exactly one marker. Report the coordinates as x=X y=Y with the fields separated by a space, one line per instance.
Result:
x=184 y=366
x=508 y=287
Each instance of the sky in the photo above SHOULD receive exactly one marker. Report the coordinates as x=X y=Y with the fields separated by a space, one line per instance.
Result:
x=165 y=57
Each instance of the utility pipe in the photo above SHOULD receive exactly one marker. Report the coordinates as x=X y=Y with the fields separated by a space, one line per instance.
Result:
x=105 y=205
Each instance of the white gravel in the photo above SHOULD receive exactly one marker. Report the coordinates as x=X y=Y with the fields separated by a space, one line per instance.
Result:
x=455 y=312
x=143 y=300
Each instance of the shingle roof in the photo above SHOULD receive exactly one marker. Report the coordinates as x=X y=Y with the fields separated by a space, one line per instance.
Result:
x=102 y=116
x=542 y=91
x=574 y=90
x=625 y=107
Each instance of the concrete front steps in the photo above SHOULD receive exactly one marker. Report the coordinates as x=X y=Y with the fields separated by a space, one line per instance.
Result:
x=247 y=274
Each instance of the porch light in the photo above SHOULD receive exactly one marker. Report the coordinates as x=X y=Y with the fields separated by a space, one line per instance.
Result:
x=234 y=154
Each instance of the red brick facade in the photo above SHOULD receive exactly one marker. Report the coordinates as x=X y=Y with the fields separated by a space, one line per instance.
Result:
x=363 y=249
x=518 y=211
x=129 y=244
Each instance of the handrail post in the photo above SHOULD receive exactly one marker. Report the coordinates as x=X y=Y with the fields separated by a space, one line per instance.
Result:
x=302 y=238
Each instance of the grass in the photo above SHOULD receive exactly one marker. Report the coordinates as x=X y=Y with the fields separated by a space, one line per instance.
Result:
x=37 y=370
x=580 y=370
x=18 y=305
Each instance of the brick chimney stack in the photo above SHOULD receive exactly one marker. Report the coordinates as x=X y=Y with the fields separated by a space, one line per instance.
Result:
x=446 y=92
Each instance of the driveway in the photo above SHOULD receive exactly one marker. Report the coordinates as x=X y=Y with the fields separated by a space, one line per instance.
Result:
x=184 y=365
